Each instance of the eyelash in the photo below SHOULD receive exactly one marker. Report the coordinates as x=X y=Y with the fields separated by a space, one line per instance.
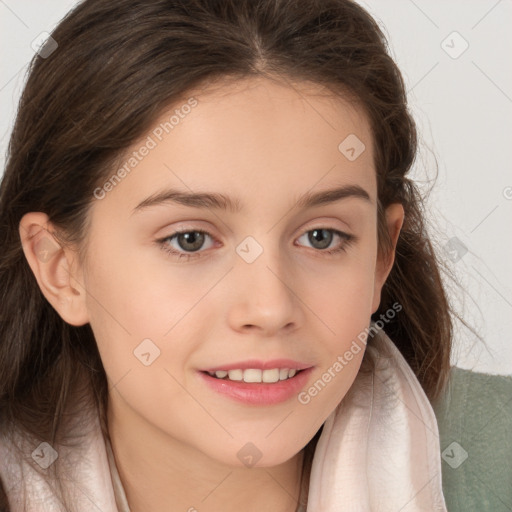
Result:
x=162 y=242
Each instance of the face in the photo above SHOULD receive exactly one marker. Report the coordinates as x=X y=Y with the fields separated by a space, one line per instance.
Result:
x=270 y=277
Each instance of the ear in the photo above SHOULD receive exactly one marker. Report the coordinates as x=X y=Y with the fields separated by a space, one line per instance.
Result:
x=394 y=221
x=54 y=268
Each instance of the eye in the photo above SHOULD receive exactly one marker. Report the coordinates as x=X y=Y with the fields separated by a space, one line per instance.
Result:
x=321 y=238
x=191 y=240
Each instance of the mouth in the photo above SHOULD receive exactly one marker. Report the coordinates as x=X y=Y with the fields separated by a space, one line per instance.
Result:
x=257 y=387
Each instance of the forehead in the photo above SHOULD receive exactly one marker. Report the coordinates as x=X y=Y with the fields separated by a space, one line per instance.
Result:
x=251 y=136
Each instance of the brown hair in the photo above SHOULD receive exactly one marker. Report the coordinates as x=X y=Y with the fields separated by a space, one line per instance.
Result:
x=117 y=66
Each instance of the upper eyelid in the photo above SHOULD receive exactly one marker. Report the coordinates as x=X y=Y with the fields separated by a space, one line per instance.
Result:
x=322 y=224
x=208 y=232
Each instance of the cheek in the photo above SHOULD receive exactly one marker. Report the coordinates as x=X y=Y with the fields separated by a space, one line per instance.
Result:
x=137 y=312
x=346 y=310
x=126 y=293
x=342 y=292
x=345 y=292
x=122 y=307
x=341 y=298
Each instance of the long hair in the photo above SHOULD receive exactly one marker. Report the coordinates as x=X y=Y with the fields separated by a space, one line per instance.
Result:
x=117 y=66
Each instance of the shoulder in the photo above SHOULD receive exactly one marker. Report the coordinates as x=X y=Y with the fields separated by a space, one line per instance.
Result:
x=474 y=416
x=473 y=400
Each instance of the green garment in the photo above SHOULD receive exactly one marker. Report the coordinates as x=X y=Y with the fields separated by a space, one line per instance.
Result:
x=474 y=416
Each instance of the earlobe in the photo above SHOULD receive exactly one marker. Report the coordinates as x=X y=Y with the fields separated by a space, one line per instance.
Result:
x=53 y=269
x=394 y=221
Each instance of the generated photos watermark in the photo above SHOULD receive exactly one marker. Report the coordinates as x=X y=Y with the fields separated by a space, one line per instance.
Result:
x=151 y=142
x=304 y=397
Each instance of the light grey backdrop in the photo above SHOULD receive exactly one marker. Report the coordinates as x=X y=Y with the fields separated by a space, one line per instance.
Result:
x=455 y=57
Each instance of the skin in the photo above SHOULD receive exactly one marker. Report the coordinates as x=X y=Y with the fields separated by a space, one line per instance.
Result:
x=266 y=143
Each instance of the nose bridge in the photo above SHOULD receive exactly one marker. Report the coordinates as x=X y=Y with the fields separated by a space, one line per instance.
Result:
x=264 y=295
x=262 y=260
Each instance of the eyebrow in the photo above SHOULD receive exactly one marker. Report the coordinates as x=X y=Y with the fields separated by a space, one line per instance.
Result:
x=220 y=201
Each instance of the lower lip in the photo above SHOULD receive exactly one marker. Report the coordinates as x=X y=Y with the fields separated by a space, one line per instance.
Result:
x=259 y=393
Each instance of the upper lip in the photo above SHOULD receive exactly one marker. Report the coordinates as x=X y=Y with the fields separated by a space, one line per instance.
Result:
x=260 y=365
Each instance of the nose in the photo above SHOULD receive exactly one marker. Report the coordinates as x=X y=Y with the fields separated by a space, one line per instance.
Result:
x=262 y=295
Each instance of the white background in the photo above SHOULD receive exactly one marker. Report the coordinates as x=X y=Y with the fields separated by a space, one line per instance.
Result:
x=463 y=108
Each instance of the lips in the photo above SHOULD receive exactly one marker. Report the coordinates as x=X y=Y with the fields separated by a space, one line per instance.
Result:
x=259 y=365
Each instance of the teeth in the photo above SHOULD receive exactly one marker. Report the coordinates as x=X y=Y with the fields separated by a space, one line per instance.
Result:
x=235 y=375
x=255 y=375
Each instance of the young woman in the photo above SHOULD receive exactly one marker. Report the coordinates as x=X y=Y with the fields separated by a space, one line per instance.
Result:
x=217 y=289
